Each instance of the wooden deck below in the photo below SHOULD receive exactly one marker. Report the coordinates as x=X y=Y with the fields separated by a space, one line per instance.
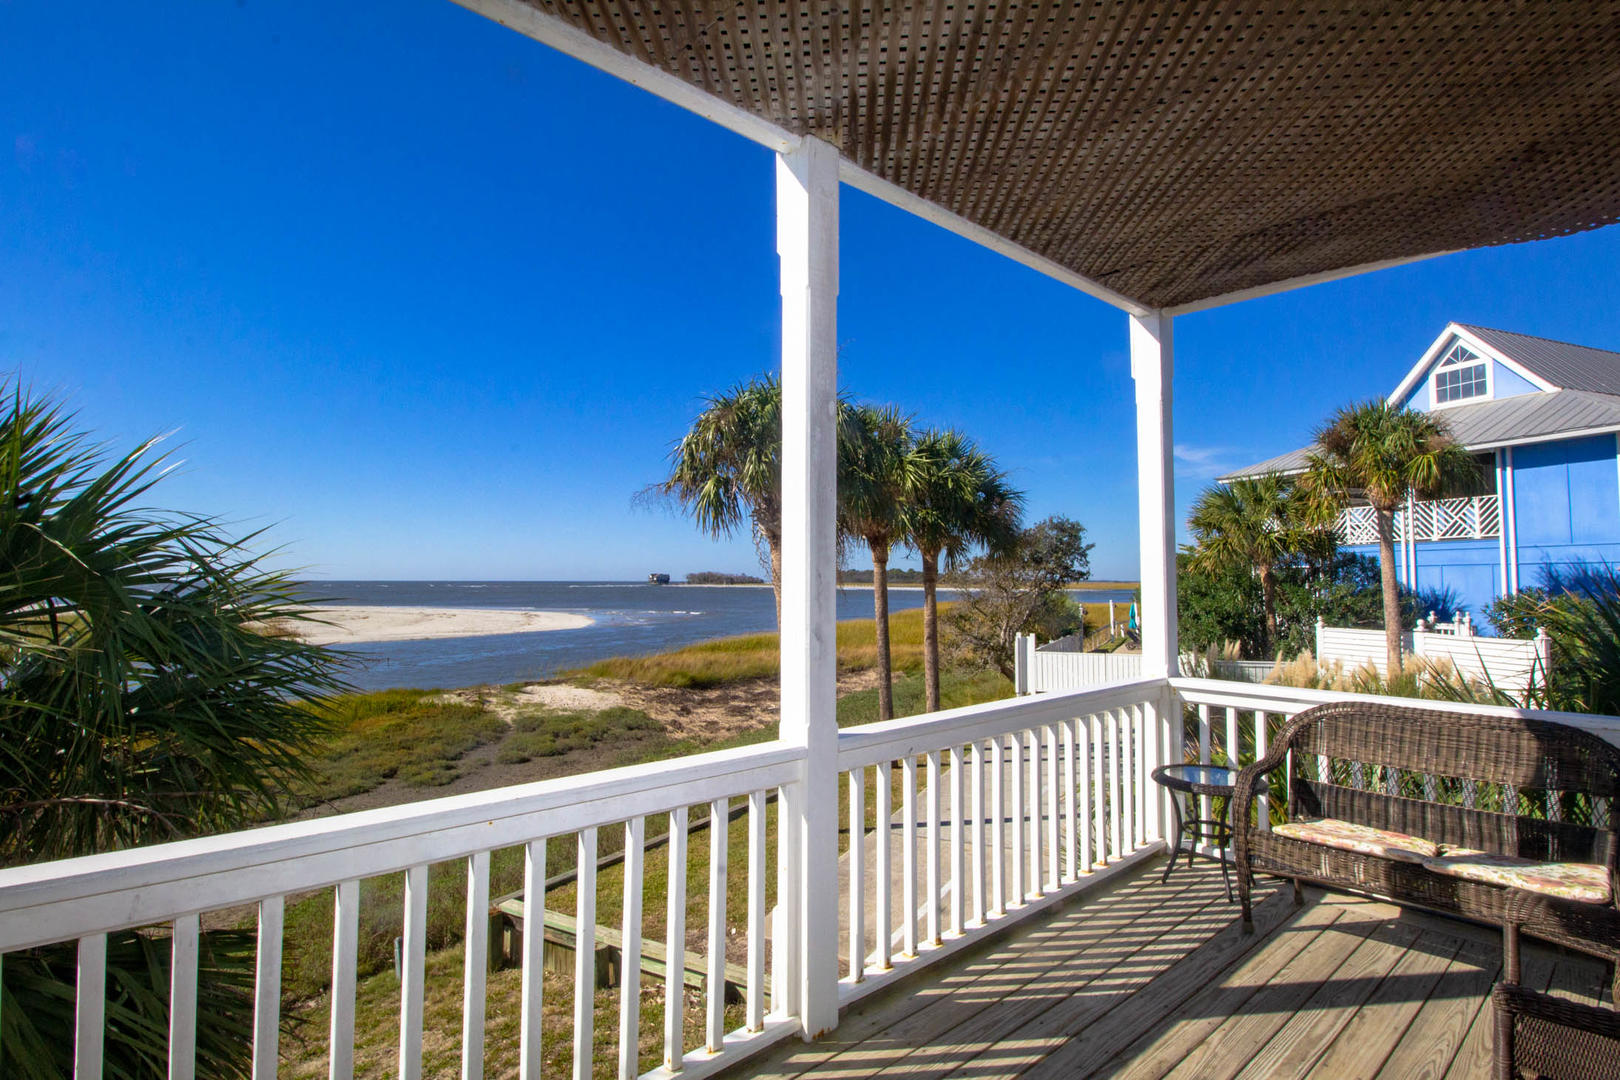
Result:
x=1150 y=980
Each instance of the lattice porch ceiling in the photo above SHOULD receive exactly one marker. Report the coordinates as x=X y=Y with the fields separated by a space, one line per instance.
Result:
x=1180 y=151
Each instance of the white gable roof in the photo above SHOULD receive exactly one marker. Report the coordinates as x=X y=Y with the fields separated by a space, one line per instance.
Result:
x=1475 y=341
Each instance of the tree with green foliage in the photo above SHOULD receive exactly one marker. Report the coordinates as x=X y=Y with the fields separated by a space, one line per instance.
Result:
x=143 y=697
x=726 y=471
x=1012 y=592
x=1256 y=524
x=875 y=481
x=1222 y=604
x=1385 y=454
x=958 y=501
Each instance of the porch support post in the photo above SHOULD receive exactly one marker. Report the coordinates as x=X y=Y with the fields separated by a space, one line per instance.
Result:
x=806 y=939
x=1152 y=367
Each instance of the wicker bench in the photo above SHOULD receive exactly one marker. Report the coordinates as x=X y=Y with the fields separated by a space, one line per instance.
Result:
x=1442 y=811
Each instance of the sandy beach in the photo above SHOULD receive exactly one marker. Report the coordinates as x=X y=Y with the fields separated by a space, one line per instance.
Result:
x=348 y=625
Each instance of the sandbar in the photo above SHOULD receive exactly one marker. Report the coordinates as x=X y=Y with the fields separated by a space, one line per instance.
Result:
x=349 y=625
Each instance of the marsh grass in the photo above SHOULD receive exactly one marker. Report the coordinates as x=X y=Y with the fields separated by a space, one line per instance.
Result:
x=548 y=733
x=416 y=736
x=756 y=656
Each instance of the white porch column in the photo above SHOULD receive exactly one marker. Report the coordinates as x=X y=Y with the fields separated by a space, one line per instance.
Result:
x=1152 y=367
x=806 y=941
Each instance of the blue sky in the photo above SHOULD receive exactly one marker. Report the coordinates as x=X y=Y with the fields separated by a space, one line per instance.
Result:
x=431 y=300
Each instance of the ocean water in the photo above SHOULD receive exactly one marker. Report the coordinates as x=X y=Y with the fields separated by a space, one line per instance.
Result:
x=631 y=619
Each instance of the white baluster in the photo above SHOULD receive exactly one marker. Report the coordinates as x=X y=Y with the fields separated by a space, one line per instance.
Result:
x=1099 y=789
x=1233 y=749
x=1082 y=730
x=183 y=999
x=976 y=831
x=1051 y=780
x=958 y=878
x=1071 y=832
x=719 y=845
x=857 y=874
x=1015 y=770
x=675 y=943
x=413 y=965
x=533 y=963
x=1205 y=810
x=474 y=964
x=90 y=1008
x=882 y=871
x=756 y=910
x=998 y=827
x=908 y=855
x=1261 y=741
x=1032 y=756
x=267 y=990
x=635 y=868
x=585 y=954
x=345 y=946
x=1118 y=809
x=933 y=808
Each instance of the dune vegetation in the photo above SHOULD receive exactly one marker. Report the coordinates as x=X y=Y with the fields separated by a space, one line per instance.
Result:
x=756 y=656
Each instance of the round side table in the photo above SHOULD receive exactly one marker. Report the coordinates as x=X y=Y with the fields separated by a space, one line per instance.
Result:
x=1215 y=781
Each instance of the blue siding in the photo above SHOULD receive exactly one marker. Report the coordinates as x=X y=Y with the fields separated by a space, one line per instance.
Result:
x=1566 y=504
x=1419 y=398
x=1508 y=383
x=1470 y=569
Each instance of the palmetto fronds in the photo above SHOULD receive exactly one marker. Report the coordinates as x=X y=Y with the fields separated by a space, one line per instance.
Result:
x=139 y=697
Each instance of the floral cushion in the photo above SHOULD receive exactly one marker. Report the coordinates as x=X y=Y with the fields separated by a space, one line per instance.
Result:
x=1565 y=880
x=1348 y=836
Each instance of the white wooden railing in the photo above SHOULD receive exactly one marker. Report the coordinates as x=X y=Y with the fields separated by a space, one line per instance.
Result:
x=1023 y=804
x=1476 y=517
x=1003 y=809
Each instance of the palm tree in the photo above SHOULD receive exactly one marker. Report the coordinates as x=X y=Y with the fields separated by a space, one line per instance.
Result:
x=727 y=468
x=1386 y=454
x=873 y=485
x=141 y=699
x=1253 y=524
x=958 y=501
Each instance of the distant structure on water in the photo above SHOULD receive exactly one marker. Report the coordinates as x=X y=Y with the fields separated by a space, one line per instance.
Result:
x=658 y=579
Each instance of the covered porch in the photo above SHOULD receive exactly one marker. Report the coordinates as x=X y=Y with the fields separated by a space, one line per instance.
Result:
x=1161 y=161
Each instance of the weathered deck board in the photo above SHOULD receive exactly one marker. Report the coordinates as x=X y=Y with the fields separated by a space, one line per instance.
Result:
x=1149 y=981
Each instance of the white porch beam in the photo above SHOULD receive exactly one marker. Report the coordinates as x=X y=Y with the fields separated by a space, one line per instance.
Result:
x=1152 y=367
x=807 y=241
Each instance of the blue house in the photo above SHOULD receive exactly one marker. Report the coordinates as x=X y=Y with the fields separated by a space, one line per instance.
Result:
x=1544 y=419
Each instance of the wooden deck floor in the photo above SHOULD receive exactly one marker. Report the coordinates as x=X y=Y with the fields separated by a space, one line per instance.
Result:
x=1150 y=980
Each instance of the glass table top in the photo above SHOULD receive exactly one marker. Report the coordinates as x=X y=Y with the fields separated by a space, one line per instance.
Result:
x=1211 y=775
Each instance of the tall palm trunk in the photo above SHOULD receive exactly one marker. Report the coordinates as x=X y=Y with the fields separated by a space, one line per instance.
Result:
x=773 y=545
x=930 y=583
x=1268 y=601
x=1392 y=590
x=880 y=610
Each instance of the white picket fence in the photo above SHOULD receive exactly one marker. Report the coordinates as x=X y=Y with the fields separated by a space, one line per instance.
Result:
x=1044 y=668
x=1508 y=663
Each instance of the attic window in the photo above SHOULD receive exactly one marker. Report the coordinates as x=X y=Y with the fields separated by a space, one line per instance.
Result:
x=1460 y=375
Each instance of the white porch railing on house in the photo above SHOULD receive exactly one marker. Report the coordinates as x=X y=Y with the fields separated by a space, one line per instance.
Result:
x=979 y=816
x=1477 y=517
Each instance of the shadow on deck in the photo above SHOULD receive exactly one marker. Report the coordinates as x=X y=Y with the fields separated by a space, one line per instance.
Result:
x=1150 y=980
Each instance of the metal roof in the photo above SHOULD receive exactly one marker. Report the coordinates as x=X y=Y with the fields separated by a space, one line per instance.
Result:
x=1573 y=367
x=1171 y=154
x=1489 y=424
